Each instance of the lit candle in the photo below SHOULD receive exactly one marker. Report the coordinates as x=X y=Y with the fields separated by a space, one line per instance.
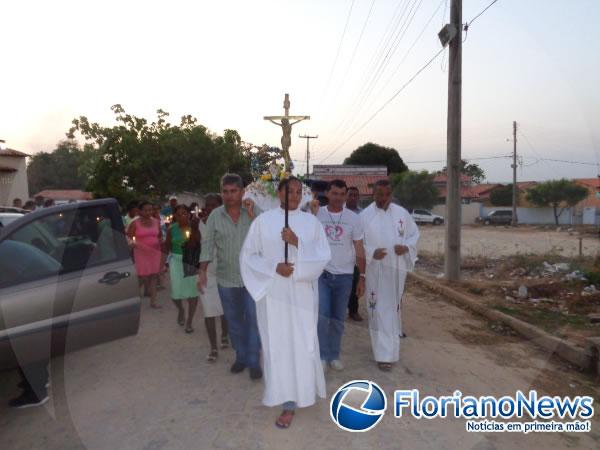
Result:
x=134 y=239
x=187 y=234
x=197 y=210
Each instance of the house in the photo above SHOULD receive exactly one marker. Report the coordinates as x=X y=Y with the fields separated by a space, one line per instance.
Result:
x=13 y=175
x=362 y=177
x=467 y=191
x=484 y=191
x=65 y=196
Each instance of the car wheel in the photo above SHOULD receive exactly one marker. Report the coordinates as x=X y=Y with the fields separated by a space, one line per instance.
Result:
x=487 y=222
x=437 y=222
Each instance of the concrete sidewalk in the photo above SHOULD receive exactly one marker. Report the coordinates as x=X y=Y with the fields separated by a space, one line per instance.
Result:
x=156 y=390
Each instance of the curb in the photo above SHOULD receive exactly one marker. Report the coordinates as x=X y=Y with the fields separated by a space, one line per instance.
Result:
x=587 y=358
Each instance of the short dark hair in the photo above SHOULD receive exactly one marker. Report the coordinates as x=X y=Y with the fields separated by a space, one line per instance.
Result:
x=338 y=184
x=144 y=203
x=232 y=179
x=382 y=183
x=353 y=188
x=214 y=196
x=132 y=205
x=181 y=206
x=287 y=181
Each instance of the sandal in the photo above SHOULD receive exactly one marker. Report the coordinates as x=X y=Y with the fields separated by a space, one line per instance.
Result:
x=181 y=318
x=212 y=356
x=224 y=342
x=385 y=367
x=285 y=419
x=189 y=329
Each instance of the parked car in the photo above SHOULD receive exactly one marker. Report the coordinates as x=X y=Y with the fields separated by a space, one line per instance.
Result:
x=66 y=282
x=424 y=216
x=497 y=217
x=6 y=218
x=12 y=209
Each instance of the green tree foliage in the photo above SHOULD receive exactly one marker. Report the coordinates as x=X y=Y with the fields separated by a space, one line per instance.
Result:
x=58 y=169
x=473 y=171
x=376 y=155
x=136 y=158
x=558 y=194
x=415 y=189
x=501 y=195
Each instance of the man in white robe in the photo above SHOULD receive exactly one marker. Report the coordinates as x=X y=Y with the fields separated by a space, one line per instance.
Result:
x=390 y=242
x=287 y=303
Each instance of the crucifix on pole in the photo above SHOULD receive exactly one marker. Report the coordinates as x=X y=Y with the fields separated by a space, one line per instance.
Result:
x=286 y=129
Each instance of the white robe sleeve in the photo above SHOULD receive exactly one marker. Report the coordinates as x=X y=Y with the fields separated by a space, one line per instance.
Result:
x=313 y=254
x=366 y=216
x=410 y=240
x=257 y=271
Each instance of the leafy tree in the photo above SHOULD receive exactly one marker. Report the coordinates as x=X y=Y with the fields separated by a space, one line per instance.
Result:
x=501 y=195
x=415 y=189
x=137 y=158
x=561 y=194
x=473 y=171
x=58 y=169
x=376 y=155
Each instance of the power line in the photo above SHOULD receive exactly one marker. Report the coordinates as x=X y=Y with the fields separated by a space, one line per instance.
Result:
x=481 y=158
x=404 y=86
x=470 y=22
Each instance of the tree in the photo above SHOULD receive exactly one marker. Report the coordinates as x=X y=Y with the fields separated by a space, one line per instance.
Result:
x=376 y=155
x=501 y=195
x=473 y=171
x=557 y=194
x=58 y=169
x=415 y=189
x=136 y=158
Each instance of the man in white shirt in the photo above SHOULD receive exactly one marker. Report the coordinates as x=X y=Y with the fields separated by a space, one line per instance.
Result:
x=344 y=232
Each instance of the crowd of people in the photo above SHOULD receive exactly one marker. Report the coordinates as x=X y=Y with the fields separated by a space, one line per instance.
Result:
x=280 y=292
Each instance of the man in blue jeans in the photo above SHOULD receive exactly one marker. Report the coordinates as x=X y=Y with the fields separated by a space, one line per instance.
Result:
x=344 y=233
x=226 y=230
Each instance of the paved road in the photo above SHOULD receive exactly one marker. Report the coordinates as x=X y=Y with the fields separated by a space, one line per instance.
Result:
x=155 y=391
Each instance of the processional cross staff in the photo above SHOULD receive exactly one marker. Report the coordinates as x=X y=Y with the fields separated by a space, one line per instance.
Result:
x=286 y=142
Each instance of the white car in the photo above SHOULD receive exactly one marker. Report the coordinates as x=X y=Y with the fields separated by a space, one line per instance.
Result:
x=6 y=218
x=424 y=216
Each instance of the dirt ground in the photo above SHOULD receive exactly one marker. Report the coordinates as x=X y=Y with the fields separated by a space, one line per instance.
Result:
x=491 y=241
x=156 y=391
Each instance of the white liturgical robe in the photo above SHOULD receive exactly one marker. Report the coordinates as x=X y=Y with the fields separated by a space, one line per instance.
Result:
x=287 y=308
x=385 y=278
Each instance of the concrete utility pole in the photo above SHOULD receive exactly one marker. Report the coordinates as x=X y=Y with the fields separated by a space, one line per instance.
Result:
x=453 y=200
x=308 y=138
x=514 y=168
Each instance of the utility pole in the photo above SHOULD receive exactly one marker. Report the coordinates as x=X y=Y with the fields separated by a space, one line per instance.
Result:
x=514 y=168
x=308 y=138
x=454 y=125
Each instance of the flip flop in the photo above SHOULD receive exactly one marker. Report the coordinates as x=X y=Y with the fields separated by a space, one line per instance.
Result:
x=285 y=419
x=212 y=356
x=189 y=330
x=385 y=367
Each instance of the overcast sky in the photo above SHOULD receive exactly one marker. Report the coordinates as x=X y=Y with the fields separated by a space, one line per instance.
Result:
x=229 y=63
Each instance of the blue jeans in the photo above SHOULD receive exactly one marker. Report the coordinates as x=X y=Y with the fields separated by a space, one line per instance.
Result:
x=240 y=311
x=334 y=293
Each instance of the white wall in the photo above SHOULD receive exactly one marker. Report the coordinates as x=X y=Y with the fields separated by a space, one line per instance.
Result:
x=13 y=184
x=469 y=212
x=536 y=216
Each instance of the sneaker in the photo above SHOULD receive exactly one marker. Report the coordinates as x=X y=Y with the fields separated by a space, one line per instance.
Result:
x=336 y=364
x=256 y=373
x=237 y=367
x=28 y=399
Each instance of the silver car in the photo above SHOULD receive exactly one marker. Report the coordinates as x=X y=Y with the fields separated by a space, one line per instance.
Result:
x=66 y=282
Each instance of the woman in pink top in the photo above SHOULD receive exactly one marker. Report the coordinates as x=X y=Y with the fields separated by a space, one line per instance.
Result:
x=145 y=236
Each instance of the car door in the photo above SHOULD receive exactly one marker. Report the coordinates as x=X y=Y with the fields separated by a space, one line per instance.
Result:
x=66 y=282
x=418 y=215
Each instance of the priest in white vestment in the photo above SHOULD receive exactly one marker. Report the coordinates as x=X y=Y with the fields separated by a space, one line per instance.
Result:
x=390 y=242
x=287 y=302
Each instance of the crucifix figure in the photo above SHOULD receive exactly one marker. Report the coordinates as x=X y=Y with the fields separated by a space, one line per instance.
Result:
x=286 y=129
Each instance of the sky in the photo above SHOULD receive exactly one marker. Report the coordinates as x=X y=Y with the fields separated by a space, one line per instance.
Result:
x=230 y=62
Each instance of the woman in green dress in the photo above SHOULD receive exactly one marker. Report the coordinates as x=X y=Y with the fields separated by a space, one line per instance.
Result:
x=182 y=231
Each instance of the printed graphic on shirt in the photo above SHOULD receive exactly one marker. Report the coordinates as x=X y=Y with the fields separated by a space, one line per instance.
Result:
x=334 y=233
